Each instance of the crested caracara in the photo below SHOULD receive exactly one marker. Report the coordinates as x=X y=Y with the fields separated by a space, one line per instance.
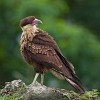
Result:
x=41 y=51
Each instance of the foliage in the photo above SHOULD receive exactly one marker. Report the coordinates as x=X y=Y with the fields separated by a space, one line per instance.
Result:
x=64 y=20
x=86 y=13
x=89 y=95
x=8 y=97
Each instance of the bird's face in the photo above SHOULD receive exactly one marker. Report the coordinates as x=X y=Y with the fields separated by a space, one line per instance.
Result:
x=31 y=20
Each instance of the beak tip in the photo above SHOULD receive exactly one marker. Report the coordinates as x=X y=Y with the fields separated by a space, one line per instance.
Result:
x=40 y=22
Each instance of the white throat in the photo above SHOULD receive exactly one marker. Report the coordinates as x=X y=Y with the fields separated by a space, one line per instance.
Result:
x=34 y=27
x=29 y=27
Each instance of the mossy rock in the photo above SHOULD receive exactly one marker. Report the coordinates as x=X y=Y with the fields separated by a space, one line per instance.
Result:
x=17 y=90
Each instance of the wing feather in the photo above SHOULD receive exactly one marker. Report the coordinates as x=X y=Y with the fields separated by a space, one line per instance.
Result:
x=45 y=39
x=44 y=50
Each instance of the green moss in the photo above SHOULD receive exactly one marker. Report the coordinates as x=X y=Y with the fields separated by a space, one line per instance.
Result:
x=17 y=90
x=89 y=95
x=71 y=95
x=12 y=97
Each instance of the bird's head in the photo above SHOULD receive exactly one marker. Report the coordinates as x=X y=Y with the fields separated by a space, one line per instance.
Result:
x=31 y=21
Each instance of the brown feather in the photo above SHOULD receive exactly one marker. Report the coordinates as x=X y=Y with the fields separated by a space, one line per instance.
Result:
x=40 y=50
x=58 y=75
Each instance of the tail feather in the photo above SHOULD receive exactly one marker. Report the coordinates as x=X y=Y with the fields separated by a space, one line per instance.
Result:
x=77 y=85
x=74 y=81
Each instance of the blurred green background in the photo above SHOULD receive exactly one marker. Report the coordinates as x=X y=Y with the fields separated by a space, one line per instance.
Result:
x=75 y=25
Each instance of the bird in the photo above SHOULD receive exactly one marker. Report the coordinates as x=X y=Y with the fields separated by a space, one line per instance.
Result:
x=40 y=50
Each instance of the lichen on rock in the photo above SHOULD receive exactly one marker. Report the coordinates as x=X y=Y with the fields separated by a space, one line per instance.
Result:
x=18 y=90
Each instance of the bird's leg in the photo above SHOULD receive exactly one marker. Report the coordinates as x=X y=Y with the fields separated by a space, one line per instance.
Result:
x=42 y=78
x=35 y=78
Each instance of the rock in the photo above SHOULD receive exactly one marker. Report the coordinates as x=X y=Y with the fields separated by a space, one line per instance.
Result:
x=31 y=92
x=19 y=90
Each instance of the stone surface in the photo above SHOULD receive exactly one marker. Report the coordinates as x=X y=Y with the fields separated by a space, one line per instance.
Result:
x=18 y=90
x=32 y=92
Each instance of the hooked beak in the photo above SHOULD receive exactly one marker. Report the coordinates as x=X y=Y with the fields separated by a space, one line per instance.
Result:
x=36 y=22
